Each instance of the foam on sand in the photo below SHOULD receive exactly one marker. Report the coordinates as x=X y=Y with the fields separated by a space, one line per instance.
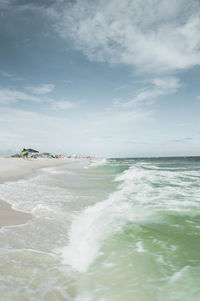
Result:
x=11 y=168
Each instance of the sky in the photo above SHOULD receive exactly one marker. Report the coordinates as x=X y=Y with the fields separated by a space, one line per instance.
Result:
x=100 y=77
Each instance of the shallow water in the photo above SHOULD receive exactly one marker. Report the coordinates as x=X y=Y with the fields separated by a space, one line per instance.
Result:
x=121 y=229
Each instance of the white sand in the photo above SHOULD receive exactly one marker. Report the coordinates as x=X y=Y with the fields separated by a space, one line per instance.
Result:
x=17 y=167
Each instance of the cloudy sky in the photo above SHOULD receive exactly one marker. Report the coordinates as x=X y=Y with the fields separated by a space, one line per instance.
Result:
x=102 y=77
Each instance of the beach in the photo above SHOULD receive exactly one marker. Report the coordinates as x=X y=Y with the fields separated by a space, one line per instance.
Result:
x=12 y=168
x=9 y=217
x=101 y=229
x=18 y=167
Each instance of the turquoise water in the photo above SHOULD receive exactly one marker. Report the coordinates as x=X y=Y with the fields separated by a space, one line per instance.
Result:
x=113 y=230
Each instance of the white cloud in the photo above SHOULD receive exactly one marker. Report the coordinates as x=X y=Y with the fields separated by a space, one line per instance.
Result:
x=159 y=87
x=154 y=36
x=150 y=36
x=11 y=76
x=42 y=89
x=61 y=105
x=6 y=74
x=8 y=96
x=5 y=4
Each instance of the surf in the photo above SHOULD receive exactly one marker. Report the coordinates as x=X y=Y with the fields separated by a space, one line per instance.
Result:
x=133 y=233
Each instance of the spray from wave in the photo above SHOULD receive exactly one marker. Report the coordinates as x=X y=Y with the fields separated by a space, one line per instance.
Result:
x=91 y=227
x=99 y=162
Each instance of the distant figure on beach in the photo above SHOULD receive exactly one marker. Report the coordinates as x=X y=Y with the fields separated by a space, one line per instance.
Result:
x=24 y=153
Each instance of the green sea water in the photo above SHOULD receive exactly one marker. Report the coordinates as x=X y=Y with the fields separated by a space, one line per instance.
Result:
x=113 y=230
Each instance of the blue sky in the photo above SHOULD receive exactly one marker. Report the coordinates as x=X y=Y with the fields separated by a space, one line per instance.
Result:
x=106 y=78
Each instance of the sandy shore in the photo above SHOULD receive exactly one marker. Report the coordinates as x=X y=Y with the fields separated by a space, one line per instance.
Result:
x=17 y=167
x=9 y=217
x=11 y=168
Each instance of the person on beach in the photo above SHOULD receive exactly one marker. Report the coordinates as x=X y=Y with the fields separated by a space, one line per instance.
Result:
x=24 y=154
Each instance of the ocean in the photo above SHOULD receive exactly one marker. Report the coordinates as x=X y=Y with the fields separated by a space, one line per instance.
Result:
x=113 y=230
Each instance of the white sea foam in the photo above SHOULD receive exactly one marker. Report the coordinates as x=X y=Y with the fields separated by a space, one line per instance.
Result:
x=95 y=224
x=34 y=195
x=140 y=247
x=53 y=170
x=90 y=228
x=98 y=162
x=178 y=274
x=141 y=196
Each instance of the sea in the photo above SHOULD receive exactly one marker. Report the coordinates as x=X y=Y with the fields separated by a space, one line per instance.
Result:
x=105 y=230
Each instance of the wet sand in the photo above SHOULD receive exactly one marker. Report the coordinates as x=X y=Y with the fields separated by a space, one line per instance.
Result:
x=12 y=168
x=9 y=216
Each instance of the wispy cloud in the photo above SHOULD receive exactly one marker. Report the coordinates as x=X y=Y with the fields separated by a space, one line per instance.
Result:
x=184 y=124
x=182 y=140
x=5 y=74
x=61 y=105
x=117 y=124
x=5 y=4
x=153 y=36
x=158 y=87
x=10 y=76
x=8 y=96
x=42 y=89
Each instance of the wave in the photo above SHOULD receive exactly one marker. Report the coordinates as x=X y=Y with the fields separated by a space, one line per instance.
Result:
x=99 y=162
x=91 y=227
x=143 y=195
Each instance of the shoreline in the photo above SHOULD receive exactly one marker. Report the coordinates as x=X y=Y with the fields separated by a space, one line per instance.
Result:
x=15 y=168
x=11 y=168
x=12 y=217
